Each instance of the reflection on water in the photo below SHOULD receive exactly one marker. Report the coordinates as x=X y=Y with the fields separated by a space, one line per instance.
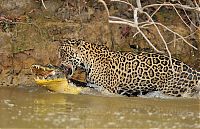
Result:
x=27 y=107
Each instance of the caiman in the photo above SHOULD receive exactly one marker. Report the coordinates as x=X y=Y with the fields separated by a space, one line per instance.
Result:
x=53 y=78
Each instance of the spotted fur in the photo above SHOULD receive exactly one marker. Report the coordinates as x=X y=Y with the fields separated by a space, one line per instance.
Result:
x=127 y=73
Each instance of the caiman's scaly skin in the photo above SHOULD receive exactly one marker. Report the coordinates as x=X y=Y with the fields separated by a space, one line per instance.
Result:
x=127 y=73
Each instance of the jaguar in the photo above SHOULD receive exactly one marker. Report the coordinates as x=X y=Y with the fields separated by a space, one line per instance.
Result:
x=128 y=73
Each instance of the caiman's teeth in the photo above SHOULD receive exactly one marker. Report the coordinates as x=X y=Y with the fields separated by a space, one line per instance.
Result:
x=35 y=66
x=53 y=73
x=37 y=77
x=43 y=78
x=38 y=67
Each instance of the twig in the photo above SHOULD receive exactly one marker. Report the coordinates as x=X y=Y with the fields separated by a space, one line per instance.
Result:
x=149 y=42
x=136 y=34
x=185 y=37
x=121 y=19
x=181 y=18
x=103 y=2
x=140 y=25
x=177 y=35
x=189 y=17
x=174 y=40
x=122 y=22
x=156 y=11
x=139 y=30
x=178 y=6
x=134 y=24
x=43 y=4
x=173 y=33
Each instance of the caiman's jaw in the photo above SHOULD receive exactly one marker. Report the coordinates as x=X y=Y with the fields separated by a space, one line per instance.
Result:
x=51 y=77
x=48 y=72
x=54 y=79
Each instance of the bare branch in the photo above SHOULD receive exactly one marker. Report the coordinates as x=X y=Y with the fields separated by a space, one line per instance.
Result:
x=172 y=32
x=103 y=2
x=122 y=22
x=121 y=19
x=181 y=18
x=188 y=16
x=185 y=37
x=43 y=4
x=136 y=34
x=177 y=35
x=135 y=16
x=139 y=5
x=148 y=41
x=156 y=11
x=139 y=25
x=186 y=7
x=139 y=30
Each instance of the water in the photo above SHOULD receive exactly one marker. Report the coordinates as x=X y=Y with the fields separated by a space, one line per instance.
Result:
x=33 y=107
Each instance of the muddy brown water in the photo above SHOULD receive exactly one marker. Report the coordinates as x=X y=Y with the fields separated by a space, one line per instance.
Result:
x=33 y=107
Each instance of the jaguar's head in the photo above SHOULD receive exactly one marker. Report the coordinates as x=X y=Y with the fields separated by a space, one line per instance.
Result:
x=69 y=55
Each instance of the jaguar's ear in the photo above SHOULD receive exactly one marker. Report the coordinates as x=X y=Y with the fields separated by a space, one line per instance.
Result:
x=73 y=41
x=63 y=42
x=77 y=42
